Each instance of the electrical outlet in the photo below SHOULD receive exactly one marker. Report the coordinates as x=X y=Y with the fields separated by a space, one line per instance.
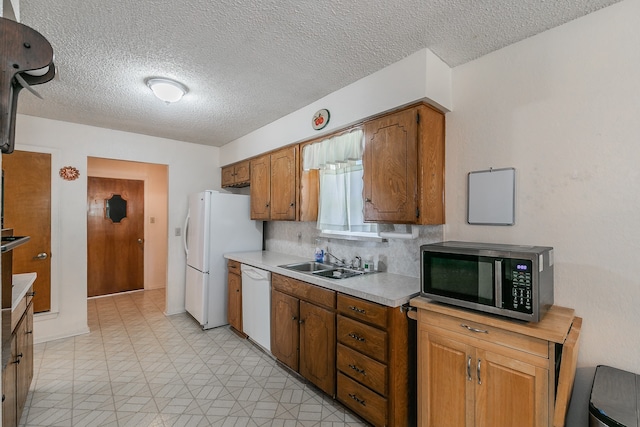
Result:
x=178 y=231
x=152 y=220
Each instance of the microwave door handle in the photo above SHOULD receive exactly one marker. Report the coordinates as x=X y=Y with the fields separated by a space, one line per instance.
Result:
x=498 y=282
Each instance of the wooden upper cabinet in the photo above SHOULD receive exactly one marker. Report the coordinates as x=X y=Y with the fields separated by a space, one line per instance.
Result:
x=403 y=165
x=236 y=175
x=284 y=183
x=390 y=168
x=274 y=185
x=261 y=188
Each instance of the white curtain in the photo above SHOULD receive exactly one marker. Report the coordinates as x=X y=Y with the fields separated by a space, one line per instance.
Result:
x=341 y=205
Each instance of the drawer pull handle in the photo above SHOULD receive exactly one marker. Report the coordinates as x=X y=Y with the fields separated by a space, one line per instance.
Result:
x=356 y=337
x=29 y=332
x=358 y=310
x=469 y=368
x=480 y=331
x=31 y=294
x=479 y=380
x=354 y=397
x=358 y=370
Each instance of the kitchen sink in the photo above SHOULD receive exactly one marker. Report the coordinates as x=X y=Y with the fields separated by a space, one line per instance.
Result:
x=339 y=273
x=323 y=270
x=308 y=266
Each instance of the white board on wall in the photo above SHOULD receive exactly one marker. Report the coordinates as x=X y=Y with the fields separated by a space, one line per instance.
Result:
x=491 y=197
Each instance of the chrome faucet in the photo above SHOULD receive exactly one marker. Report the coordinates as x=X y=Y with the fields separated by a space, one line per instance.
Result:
x=339 y=263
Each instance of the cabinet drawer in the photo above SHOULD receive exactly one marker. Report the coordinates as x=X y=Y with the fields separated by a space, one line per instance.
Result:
x=483 y=332
x=364 y=338
x=233 y=267
x=365 y=311
x=363 y=401
x=363 y=369
x=304 y=291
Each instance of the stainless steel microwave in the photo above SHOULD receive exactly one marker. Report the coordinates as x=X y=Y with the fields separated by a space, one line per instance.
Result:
x=509 y=280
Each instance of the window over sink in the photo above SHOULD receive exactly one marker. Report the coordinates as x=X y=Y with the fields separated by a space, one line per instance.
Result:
x=341 y=203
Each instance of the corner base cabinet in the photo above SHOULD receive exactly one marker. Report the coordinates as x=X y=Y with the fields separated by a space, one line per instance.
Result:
x=18 y=372
x=478 y=370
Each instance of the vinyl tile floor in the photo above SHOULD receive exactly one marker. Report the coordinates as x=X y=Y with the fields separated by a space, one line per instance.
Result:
x=138 y=367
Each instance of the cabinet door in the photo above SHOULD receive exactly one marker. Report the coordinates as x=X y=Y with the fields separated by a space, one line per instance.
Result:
x=22 y=358
x=260 y=189
x=510 y=392
x=9 y=392
x=445 y=382
x=285 y=328
x=227 y=176
x=242 y=172
x=283 y=184
x=318 y=346
x=390 y=163
x=234 y=306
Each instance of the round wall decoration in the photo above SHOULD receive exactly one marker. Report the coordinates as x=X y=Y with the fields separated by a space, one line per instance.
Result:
x=69 y=173
x=320 y=119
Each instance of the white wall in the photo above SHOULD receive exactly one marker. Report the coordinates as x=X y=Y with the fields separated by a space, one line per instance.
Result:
x=562 y=108
x=192 y=168
x=420 y=76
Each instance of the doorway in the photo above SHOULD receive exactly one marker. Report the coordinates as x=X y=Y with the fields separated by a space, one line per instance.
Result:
x=27 y=209
x=156 y=211
x=115 y=235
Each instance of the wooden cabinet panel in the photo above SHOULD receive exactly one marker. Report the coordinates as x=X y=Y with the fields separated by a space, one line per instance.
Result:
x=363 y=369
x=363 y=401
x=234 y=303
x=390 y=164
x=9 y=390
x=362 y=310
x=366 y=339
x=304 y=291
x=445 y=368
x=509 y=392
x=318 y=346
x=285 y=335
x=283 y=184
x=260 y=190
x=236 y=175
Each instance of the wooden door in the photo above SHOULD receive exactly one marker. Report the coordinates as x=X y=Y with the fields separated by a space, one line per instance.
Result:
x=318 y=346
x=390 y=163
x=283 y=184
x=285 y=329
x=444 y=384
x=234 y=305
x=260 y=189
x=510 y=392
x=27 y=209
x=115 y=232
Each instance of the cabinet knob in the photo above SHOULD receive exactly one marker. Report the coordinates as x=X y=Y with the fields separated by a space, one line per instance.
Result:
x=354 y=397
x=301 y=321
x=292 y=204
x=356 y=337
x=32 y=294
x=368 y=200
x=293 y=318
x=267 y=205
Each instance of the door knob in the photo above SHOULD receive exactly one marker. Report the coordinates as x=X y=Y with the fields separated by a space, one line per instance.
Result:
x=41 y=255
x=140 y=241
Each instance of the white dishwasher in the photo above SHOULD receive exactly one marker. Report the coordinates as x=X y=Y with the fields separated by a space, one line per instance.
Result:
x=256 y=305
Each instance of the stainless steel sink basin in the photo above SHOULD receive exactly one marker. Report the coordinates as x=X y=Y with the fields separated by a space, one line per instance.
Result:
x=338 y=273
x=323 y=270
x=308 y=266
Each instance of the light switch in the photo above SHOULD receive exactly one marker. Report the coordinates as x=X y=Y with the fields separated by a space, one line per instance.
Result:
x=178 y=231
x=152 y=220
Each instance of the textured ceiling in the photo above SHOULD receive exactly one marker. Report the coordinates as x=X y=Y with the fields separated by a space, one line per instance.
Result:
x=248 y=63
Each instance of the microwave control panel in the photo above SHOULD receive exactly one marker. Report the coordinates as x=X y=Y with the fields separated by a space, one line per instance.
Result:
x=518 y=292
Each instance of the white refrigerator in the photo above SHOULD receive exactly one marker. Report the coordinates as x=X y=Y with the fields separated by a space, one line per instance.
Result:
x=216 y=223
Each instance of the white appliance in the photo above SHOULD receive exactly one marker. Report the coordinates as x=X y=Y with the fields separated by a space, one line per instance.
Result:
x=216 y=223
x=256 y=305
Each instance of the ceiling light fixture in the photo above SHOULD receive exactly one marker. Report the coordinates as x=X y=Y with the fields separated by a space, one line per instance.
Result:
x=166 y=89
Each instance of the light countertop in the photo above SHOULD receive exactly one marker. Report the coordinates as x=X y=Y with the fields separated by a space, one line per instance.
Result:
x=21 y=284
x=388 y=289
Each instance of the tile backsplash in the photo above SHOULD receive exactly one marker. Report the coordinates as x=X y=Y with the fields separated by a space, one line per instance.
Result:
x=395 y=255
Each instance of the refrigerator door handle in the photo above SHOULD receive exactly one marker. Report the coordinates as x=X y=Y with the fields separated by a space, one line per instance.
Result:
x=184 y=234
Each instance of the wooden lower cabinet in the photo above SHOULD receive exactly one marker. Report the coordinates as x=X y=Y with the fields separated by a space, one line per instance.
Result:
x=303 y=330
x=18 y=374
x=234 y=296
x=477 y=370
x=376 y=375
